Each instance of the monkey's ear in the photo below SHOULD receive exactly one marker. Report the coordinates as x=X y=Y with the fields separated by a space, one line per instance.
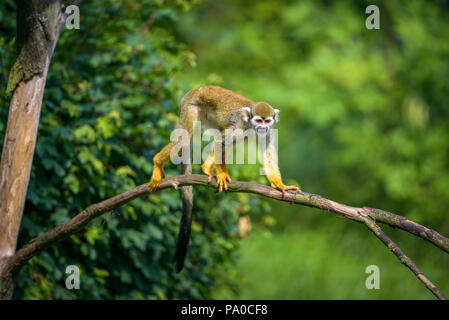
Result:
x=276 y=115
x=246 y=113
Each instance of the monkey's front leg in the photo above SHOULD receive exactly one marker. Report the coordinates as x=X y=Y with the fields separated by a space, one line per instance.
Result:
x=272 y=170
x=276 y=182
x=208 y=165
x=274 y=176
x=222 y=177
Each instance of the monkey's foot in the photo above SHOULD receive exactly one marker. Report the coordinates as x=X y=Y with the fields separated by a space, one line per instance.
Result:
x=156 y=178
x=222 y=181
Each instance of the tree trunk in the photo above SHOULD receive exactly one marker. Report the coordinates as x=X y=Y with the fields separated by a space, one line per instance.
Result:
x=38 y=27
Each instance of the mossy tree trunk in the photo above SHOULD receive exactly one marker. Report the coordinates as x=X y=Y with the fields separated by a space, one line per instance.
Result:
x=38 y=25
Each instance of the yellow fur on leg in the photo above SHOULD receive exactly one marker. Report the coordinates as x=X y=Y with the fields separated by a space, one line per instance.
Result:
x=222 y=177
x=208 y=165
x=208 y=170
x=272 y=170
x=276 y=182
x=158 y=166
x=156 y=178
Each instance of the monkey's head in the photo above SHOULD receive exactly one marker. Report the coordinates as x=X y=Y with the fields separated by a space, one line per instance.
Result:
x=262 y=117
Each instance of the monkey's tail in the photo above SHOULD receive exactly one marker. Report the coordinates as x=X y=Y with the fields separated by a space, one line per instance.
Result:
x=186 y=221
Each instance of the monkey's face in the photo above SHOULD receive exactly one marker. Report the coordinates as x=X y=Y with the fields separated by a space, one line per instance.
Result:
x=261 y=117
x=262 y=125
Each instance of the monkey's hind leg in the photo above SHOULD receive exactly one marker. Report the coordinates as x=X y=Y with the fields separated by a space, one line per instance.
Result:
x=158 y=166
x=187 y=117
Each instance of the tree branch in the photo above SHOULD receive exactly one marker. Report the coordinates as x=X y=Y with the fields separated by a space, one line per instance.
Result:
x=367 y=216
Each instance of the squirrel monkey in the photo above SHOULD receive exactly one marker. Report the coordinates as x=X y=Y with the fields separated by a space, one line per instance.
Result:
x=221 y=109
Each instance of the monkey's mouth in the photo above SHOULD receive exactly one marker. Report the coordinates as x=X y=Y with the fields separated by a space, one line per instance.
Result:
x=262 y=130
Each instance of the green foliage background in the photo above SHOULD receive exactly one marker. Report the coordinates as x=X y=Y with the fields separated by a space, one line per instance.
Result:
x=364 y=121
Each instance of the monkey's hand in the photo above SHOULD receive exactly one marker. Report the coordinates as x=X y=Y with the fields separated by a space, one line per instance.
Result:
x=276 y=182
x=222 y=181
x=156 y=178
x=285 y=188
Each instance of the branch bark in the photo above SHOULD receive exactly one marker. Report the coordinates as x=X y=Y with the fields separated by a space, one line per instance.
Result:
x=367 y=216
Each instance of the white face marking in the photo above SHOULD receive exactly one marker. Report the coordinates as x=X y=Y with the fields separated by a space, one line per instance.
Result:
x=262 y=125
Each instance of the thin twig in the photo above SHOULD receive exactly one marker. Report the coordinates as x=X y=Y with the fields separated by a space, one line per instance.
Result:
x=369 y=222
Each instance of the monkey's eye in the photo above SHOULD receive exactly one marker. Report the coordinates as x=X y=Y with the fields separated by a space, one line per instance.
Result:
x=258 y=121
x=268 y=121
